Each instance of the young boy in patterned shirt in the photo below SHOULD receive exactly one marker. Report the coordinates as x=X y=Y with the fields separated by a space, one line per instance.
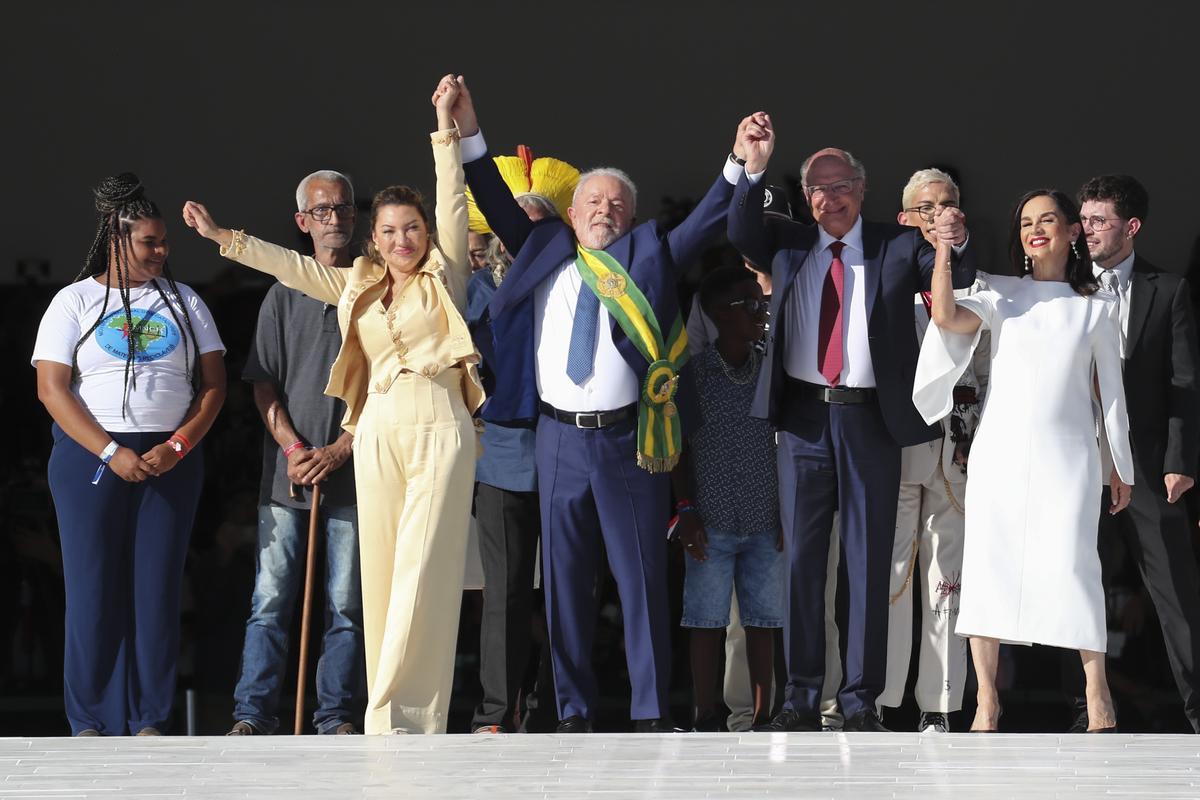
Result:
x=728 y=507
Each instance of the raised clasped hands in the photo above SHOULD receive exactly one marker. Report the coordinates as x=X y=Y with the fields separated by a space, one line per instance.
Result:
x=755 y=141
x=196 y=217
x=950 y=225
x=453 y=98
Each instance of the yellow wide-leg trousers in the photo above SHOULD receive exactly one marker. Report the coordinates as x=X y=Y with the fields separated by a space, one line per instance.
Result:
x=414 y=467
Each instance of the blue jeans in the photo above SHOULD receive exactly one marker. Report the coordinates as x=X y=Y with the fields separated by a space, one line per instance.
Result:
x=748 y=563
x=278 y=583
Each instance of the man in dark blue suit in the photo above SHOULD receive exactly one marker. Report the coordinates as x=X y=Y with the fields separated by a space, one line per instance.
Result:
x=838 y=387
x=559 y=356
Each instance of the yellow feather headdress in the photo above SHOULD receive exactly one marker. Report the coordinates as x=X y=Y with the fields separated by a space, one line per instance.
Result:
x=523 y=173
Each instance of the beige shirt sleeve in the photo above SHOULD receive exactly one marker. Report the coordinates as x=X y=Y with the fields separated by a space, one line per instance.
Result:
x=451 y=213
x=302 y=273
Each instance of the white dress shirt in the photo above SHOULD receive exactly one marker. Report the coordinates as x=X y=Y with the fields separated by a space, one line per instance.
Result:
x=1124 y=272
x=612 y=384
x=803 y=313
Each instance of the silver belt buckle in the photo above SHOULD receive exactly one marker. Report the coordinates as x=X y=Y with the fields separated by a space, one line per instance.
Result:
x=595 y=417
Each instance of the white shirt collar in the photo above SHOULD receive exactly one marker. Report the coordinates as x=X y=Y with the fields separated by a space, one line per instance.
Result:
x=852 y=239
x=1124 y=269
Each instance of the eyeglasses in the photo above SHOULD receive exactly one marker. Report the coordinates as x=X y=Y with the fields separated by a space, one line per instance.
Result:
x=753 y=307
x=836 y=188
x=928 y=211
x=323 y=213
x=1099 y=223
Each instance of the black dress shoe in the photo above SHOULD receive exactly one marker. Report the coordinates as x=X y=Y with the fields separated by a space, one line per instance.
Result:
x=707 y=723
x=654 y=726
x=865 y=721
x=791 y=720
x=1080 y=723
x=574 y=724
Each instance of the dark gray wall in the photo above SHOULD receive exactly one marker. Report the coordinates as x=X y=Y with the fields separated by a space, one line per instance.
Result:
x=233 y=103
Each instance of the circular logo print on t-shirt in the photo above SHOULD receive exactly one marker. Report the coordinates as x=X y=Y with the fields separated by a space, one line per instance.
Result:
x=155 y=336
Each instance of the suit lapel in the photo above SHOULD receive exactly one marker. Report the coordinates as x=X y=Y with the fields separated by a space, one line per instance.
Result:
x=524 y=276
x=1143 y=285
x=873 y=251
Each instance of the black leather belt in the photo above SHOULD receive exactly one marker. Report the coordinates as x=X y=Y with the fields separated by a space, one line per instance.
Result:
x=590 y=420
x=837 y=395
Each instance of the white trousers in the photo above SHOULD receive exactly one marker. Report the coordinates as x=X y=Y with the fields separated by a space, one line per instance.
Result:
x=927 y=562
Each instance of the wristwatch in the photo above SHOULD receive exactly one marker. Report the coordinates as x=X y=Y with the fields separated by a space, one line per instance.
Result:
x=177 y=446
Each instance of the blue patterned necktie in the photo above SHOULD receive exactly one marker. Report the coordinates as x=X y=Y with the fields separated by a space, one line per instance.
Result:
x=582 y=352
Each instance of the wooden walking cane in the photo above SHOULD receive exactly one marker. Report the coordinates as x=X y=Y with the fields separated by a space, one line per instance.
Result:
x=306 y=611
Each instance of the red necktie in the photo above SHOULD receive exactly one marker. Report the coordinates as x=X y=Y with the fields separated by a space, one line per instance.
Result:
x=829 y=334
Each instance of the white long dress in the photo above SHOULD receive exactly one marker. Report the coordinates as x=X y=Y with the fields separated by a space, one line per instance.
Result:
x=1031 y=573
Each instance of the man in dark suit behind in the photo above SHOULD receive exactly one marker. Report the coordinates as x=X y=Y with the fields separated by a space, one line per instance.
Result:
x=1158 y=343
x=561 y=358
x=838 y=386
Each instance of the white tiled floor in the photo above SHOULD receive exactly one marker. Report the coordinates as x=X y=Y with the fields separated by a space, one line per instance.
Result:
x=816 y=765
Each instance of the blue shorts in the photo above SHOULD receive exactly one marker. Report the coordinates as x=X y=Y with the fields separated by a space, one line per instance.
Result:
x=749 y=563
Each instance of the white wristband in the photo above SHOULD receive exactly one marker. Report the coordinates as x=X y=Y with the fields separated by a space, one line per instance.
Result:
x=109 y=451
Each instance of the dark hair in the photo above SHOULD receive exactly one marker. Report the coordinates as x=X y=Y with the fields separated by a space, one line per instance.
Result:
x=394 y=196
x=121 y=201
x=1079 y=265
x=1125 y=191
x=717 y=286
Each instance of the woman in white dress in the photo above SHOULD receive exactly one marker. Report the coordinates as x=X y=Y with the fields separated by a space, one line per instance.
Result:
x=1031 y=573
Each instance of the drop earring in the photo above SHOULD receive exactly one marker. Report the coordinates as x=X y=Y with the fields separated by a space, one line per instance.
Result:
x=1075 y=250
x=1028 y=264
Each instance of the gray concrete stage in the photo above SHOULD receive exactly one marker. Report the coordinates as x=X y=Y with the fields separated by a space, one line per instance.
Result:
x=818 y=765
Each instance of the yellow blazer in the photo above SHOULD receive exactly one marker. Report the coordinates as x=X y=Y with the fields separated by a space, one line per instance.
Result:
x=447 y=268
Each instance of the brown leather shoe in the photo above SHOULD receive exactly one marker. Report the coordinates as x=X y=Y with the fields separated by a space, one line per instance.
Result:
x=149 y=730
x=242 y=728
x=347 y=729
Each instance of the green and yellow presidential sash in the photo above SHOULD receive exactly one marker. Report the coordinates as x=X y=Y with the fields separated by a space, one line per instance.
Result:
x=659 y=439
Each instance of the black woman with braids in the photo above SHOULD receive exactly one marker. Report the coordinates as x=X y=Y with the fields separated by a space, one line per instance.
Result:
x=129 y=365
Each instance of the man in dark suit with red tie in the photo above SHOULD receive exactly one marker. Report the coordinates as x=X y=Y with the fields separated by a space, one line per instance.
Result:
x=838 y=387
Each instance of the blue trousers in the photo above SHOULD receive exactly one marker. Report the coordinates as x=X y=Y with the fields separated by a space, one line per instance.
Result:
x=123 y=547
x=591 y=490
x=341 y=675
x=841 y=457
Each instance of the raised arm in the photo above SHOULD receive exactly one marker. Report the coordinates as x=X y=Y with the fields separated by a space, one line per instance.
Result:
x=747 y=232
x=951 y=227
x=507 y=219
x=451 y=210
x=944 y=312
x=303 y=273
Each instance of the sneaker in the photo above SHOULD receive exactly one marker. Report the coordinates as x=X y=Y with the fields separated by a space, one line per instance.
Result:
x=934 y=722
x=149 y=730
x=490 y=729
x=88 y=732
x=347 y=729
x=242 y=728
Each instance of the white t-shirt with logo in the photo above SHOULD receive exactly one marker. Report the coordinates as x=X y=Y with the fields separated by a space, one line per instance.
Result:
x=160 y=393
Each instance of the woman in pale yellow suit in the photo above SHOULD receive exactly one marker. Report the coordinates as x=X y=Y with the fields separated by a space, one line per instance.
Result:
x=407 y=373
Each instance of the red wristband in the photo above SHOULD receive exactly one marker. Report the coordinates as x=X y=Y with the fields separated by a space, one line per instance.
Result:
x=183 y=446
x=293 y=447
x=684 y=504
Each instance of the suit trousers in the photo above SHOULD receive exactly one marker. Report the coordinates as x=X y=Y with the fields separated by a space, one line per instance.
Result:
x=509 y=526
x=414 y=468
x=592 y=490
x=1159 y=539
x=927 y=551
x=837 y=457
x=123 y=550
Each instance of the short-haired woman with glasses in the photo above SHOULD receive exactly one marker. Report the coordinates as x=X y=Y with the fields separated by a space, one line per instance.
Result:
x=407 y=373
x=1031 y=572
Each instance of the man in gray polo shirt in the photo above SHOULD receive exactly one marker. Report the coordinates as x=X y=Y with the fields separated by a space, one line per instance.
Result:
x=296 y=343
